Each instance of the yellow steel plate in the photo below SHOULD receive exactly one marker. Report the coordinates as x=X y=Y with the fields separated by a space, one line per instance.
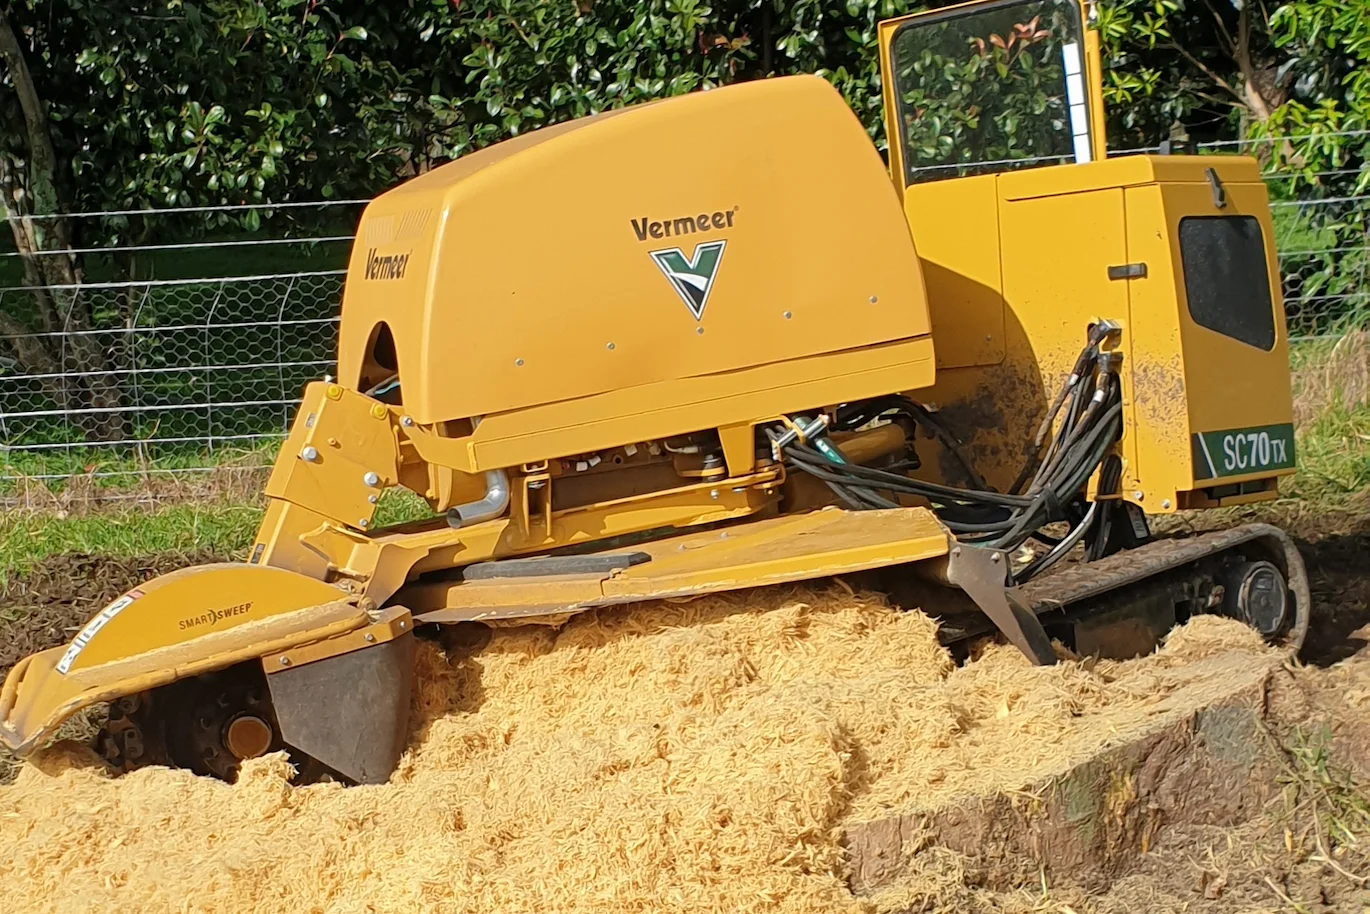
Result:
x=773 y=551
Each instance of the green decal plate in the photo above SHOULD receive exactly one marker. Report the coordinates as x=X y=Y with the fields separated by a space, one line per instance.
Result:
x=1242 y=451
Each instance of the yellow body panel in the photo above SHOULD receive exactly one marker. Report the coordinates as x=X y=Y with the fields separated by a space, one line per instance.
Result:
x=830 y=541
x=530 y=257
x=772 y=551
x=654 y=411
x=1124 y=171
x=176 y=607
x=337 y=440
x=1179 y=379
x=1187 y=378
x=38 y=695
x=950 y=217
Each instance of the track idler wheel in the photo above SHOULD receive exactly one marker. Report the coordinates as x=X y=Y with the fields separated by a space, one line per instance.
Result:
x=1256 y=593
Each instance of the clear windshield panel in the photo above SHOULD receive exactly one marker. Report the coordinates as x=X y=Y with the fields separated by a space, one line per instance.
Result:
x=991 y=89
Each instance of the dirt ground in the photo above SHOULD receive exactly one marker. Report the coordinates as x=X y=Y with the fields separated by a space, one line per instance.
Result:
x=46 y=606
x=1309 y=851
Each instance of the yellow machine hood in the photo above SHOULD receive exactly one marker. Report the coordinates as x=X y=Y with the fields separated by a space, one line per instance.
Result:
x=632 y=248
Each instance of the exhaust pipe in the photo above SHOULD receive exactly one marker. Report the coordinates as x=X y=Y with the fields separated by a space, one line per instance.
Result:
x=492 y=505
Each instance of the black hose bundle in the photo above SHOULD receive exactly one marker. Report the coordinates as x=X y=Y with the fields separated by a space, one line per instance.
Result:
x=1089 y=407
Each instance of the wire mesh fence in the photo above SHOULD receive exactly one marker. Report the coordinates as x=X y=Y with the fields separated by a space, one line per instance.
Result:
x=206 y=362
x=136 y=387
x=197 y=374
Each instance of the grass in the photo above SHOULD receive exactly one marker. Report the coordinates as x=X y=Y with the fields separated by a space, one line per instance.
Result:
x=1338 y=806
x=112 y=467
x=1334 y=456
x=1327 y=811
x=1331 y=380
x=80 y=478
x=223 y=527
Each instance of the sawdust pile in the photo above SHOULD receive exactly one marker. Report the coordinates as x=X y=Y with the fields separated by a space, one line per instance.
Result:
x=699 y=757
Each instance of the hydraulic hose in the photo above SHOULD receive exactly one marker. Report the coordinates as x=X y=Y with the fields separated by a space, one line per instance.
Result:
x=1089 y=409
x=1065 y=545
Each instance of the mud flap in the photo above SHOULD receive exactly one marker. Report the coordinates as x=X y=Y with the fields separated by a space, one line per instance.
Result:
x=983 y=575
x=351 y=711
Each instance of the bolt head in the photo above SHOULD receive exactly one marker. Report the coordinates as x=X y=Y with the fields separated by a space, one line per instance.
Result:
x=285 y=661
x=334 y=392
x=404 y=624
x=788 y=315
x=370 y=637
x=713 y=493
x=363 y=523
x=310 y=453
x=699 y=331
x=407 y=421
x=373 y=498
x=874 y=299
x=371 y=479
x=1165 y=503
x=378 y=410
x=518 y=363
x=995 y=557
x=1137 y=495
x=609 y=346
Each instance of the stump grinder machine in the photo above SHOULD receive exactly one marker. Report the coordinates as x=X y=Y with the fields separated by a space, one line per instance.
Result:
x=718 y=342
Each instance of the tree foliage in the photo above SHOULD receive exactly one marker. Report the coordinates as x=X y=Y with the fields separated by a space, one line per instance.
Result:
x=182 y=103
x=1328 y=117
x=156 y=103
x=1224 y=69
x=979 y=92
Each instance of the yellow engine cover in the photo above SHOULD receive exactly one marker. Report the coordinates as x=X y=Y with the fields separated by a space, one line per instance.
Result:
x=705 y=234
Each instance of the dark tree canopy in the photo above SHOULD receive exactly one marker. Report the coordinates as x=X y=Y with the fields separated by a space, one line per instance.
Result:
x=177 y=103
x=156 y=103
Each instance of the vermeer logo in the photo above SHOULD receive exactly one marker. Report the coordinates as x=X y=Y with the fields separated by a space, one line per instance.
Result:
x=391 y=266
x=692 y=279
x=683 y=225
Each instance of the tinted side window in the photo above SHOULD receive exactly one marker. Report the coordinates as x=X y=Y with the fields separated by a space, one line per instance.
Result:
x=1225 y=277
x=990 y=89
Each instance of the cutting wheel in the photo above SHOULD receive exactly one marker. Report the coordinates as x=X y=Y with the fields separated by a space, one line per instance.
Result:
x=209 y=725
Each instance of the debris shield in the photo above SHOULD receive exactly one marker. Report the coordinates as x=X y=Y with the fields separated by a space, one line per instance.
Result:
x=180 y=624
